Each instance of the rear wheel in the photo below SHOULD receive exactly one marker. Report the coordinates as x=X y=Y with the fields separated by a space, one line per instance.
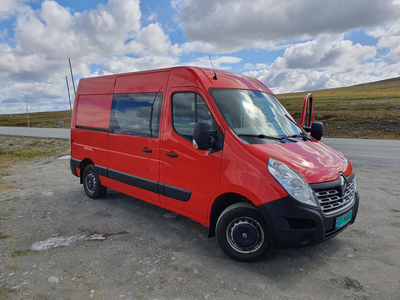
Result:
x=91 y=183
x=242 y=232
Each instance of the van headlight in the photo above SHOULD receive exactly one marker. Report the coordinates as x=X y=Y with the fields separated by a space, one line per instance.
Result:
x=292 y=182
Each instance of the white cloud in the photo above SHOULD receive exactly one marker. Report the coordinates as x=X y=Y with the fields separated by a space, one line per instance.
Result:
x=258 y=66
x=218 y=62
x=175 y=4
x=389 y=38
x=236 y=24
x=39 y=96
x=9 y=8
x=128 y=64
x=154 y=40
x=327 y=51
x=44 y=39
x=326 y=62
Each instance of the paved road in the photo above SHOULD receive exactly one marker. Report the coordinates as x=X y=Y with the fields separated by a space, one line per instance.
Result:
x=365 y=152
x=56 y=133
x=353 y=149
x=367 y=148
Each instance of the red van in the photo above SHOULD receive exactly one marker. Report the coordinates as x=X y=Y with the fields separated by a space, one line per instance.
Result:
x=217 y=147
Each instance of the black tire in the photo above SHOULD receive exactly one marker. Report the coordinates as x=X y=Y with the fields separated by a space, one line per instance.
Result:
x=242 y=233
x=91 y=183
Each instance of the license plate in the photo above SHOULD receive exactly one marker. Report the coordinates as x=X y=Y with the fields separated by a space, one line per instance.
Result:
x=343 y=220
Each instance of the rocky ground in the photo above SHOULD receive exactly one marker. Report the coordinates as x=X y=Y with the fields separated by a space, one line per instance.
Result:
x=56 y=243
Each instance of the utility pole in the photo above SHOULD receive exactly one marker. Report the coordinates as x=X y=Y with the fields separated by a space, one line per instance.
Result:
x=72 y=76
x=27 y=114
x=69 y=96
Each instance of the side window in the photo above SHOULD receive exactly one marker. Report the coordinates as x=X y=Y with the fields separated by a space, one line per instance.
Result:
x=187 y=110
x=136 y=114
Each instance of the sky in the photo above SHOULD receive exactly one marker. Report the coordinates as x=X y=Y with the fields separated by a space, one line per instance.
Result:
x=291 y=45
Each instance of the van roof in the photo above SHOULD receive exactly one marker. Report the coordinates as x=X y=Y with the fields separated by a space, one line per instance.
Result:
x=158 y=79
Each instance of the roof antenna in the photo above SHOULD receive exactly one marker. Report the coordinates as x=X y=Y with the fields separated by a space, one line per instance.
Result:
x=215 y=74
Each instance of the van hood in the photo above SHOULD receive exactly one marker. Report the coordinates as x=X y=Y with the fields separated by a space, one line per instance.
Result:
x=313 y=160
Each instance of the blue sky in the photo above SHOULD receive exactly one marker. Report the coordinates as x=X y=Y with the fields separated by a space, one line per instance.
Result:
x=289 y=45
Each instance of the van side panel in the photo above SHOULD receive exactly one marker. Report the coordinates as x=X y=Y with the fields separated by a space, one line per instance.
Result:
x=97 y=85
x=142 y=83
x=235 y=81
x=89 y=133
x=181 y=77
x=94 y=111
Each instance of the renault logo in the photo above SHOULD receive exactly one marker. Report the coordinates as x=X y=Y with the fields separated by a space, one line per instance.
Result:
x=343 y=185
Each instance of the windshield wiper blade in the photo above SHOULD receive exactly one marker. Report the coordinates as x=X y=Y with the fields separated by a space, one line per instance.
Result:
x=263 y=136
x=302 y=134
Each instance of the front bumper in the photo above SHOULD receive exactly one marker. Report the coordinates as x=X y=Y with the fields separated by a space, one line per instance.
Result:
x=292 y=224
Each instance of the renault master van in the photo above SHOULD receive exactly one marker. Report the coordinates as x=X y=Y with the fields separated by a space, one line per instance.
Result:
x=217 y=147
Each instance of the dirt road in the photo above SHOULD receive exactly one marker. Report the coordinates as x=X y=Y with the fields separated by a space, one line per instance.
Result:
x=122 y=248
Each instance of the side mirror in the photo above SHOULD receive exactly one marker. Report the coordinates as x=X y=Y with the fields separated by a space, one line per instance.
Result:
x=317 y=130
x=203 y=137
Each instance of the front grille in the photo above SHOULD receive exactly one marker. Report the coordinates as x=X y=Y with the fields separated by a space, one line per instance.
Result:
x=332 y=202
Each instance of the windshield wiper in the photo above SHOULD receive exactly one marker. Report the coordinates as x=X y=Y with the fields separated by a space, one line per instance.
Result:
x=302 y=134
x=263 y=136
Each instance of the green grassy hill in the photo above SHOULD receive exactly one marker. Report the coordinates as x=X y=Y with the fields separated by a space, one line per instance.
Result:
x=369 y=110
x=50 y=119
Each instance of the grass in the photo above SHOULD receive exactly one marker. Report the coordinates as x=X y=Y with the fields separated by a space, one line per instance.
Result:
x=3 y=236
x=20 y=253
x=41 y=119
x=363 y=111
x=13 y=149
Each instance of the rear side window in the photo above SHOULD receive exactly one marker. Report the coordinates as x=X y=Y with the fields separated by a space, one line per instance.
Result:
x=136 y=114
x=187 y=110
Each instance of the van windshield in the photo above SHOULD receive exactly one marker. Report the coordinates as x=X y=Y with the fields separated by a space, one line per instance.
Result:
x=254 y=113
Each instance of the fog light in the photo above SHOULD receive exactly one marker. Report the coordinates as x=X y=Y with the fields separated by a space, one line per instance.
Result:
x=305 y=239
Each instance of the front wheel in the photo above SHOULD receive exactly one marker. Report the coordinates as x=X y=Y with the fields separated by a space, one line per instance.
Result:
x=242 y=233
x=91 y=183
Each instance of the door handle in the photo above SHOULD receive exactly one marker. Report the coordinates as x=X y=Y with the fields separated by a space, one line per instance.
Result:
x=171 y=154
x=147 y=150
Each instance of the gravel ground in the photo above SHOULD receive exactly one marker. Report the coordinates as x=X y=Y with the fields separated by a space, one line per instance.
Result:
x=122 y=248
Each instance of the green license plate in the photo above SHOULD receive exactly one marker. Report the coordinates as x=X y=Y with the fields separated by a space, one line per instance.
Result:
x=343 y=220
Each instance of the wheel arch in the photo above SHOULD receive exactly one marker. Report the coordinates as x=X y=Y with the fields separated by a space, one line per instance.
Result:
x=219 y=205
x=83 y=164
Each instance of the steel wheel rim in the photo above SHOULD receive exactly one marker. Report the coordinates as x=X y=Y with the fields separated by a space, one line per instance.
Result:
x=245 y=235
x=90 y=182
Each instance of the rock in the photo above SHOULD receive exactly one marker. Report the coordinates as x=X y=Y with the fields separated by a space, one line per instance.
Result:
x=53 y=279
x=47 y=193
x=170 y=215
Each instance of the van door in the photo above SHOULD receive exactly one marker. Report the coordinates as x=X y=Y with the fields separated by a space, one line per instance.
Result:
x=134 y=145
x=191 y=176
x=307 y=113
